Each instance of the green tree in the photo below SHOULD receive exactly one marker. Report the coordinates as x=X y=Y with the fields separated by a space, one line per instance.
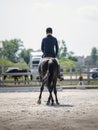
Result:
x=62 y=49
x=71 y=56
x=94 y=55
x=1 y=53
x=11 y=48
x=25 y=54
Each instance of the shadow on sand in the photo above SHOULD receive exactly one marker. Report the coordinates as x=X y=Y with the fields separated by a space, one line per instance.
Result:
x=60 y=105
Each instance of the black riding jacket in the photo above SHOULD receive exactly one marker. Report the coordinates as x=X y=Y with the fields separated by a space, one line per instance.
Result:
x=49 y=46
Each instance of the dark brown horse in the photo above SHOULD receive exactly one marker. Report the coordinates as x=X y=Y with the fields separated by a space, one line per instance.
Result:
x=16 y=74
x=48 y=70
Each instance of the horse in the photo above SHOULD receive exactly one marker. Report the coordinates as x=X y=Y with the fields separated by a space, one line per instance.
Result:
x=13 y=71
x=48 y=71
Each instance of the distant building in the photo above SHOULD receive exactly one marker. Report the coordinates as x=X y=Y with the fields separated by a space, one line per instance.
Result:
x=80 y=61
x=88 y=60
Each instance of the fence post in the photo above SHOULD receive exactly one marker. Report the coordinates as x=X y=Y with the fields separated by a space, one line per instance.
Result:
x=71 y=74
x=88 y=75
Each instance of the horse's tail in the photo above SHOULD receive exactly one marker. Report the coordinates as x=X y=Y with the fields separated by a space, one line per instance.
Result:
x=50 y=71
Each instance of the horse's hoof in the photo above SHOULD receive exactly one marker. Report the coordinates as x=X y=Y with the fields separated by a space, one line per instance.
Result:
x=47 y=103
x=39 y=102
x=58 y=103
x=52 y=103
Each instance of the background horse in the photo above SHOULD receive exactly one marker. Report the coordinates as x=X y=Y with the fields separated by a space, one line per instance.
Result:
x=17 y=71
x=48 y=70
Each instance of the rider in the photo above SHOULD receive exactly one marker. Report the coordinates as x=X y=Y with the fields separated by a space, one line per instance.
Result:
x=49 y=47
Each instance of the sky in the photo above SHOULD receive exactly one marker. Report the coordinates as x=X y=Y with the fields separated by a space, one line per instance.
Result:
x=74 y=21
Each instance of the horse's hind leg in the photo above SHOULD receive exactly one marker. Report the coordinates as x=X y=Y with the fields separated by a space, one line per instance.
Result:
x=41 y=90
x=50 y=97
x=26 y=79
x=55 y=92
x=16 y=80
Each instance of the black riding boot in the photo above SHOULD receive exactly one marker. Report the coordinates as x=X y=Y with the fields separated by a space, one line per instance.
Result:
x=59 y=74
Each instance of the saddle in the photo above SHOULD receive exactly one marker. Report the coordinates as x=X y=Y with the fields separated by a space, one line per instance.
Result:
x=46 y=59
